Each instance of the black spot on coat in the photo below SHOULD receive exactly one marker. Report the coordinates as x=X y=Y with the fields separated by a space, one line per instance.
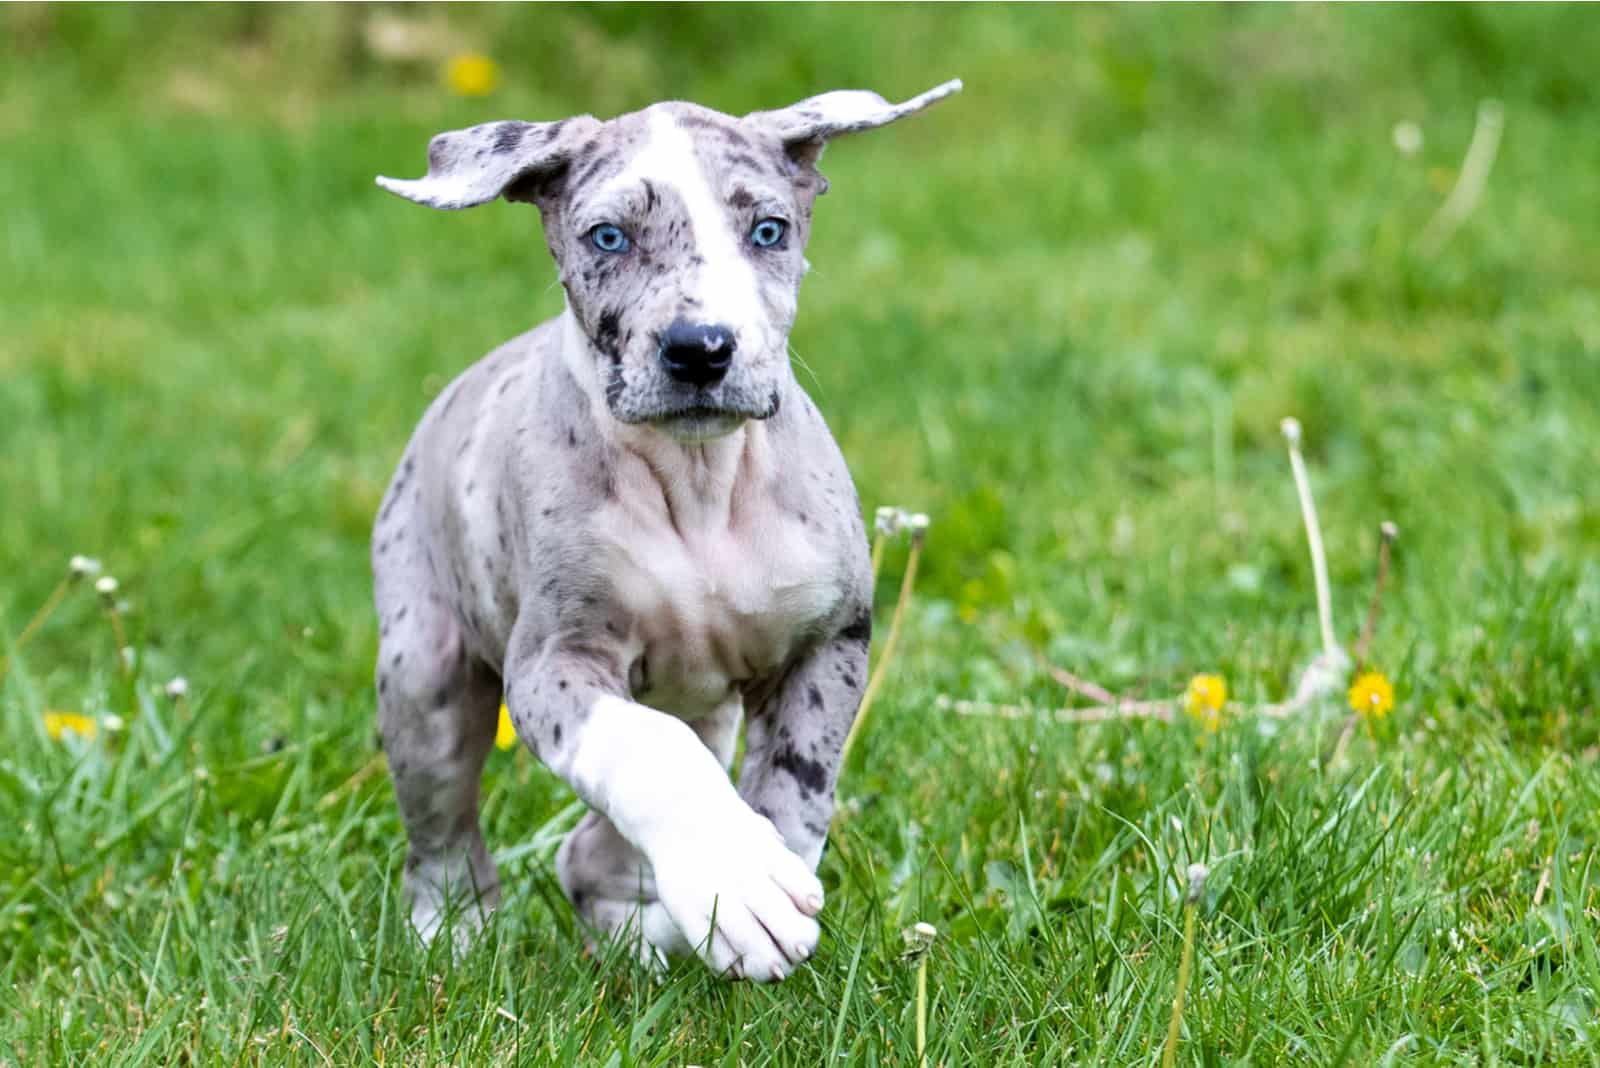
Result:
x=507 y=136
x=811 y=775
x=859 y=629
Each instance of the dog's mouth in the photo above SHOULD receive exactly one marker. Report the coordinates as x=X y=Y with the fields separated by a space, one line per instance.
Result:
x=703 y=407
x=701 y=421
x=698 y=424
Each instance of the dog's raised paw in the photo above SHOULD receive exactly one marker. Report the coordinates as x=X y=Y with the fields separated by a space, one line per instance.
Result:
x=744 y=901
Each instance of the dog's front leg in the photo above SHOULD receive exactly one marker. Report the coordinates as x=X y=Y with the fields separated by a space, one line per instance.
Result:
x=722 y=872
x=795 y=738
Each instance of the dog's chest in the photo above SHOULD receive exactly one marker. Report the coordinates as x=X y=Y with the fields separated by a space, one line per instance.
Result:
x=712 y=607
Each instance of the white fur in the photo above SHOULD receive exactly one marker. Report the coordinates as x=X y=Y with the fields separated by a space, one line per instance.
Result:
x=723 y=873
x=726 y=285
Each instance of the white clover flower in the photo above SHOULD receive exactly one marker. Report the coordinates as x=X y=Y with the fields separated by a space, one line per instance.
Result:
x=112 y=723
x=83 y=566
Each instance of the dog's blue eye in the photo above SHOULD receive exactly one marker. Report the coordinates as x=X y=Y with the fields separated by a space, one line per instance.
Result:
x=608 y=238
x=767 y=232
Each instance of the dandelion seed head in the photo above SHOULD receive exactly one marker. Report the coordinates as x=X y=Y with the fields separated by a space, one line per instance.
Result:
x=178 y=688
x=1407 y=137
x=1197 y=874
x=918 y=937
x=106 y=586
x=1291 y=430
x=83 y=566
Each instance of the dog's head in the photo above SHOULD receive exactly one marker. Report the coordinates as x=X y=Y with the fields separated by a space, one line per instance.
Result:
x=679 y=233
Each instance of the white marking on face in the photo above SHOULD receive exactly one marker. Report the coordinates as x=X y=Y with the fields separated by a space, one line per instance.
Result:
x=726 y=283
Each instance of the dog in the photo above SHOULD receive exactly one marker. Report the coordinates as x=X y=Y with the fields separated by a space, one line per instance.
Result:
x=633 y=525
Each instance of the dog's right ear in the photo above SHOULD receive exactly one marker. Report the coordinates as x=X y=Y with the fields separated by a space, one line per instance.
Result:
x=473 y=166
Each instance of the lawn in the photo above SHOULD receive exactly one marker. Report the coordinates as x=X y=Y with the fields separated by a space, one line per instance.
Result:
x=1062 y=313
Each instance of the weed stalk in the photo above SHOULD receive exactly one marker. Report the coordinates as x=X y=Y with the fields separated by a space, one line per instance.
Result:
x=1191 y=908
x=919 y=529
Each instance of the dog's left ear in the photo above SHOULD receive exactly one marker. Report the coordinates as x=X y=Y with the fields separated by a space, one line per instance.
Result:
x=473 y=166
x=807 y=127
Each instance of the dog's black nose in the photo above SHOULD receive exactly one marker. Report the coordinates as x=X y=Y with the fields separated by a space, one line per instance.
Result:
x=697 y=354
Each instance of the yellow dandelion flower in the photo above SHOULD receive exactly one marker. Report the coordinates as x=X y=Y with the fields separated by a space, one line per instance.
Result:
x=57 y=724
x=472 y=74
x=1204 y=698
x=1371 y=697
x=505 y=735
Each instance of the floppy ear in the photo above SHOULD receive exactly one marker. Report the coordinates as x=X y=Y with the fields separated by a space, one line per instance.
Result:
x=808 y=126
x=473 y=166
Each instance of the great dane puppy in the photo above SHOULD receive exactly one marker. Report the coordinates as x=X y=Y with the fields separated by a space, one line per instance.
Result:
x=633 y=524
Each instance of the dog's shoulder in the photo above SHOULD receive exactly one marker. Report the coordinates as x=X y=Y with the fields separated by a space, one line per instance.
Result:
x=817 y=490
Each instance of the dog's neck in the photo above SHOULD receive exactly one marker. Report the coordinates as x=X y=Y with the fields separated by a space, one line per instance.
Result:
x=700 y=482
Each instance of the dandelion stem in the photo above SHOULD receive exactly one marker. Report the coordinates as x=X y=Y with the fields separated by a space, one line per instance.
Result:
x=39 y=619
x=878 y=542
x=1169 y=1056
x=922 y=1011
x=1319 y=559
x=1388 y=532
x=1159 y=709
x=121 y=637
x=1470 y=182
x=1162 y=709
x=875 y=681
x=1082 y=686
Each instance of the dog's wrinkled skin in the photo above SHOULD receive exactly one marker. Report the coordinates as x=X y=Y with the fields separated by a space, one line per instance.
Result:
x=637 y=559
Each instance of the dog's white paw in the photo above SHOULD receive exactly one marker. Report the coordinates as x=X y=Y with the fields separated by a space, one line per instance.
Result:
x=741 y=898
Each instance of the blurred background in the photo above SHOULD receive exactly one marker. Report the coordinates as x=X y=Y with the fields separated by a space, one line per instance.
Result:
x=1063 y=313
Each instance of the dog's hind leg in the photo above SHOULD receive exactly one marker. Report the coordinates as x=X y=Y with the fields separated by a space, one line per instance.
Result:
x=437 y=710
x=610 y=883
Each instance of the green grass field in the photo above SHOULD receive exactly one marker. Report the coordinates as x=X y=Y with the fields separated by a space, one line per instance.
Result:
x=1062 y=313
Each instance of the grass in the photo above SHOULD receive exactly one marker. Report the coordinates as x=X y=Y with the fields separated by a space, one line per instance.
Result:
x=1062 y=313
